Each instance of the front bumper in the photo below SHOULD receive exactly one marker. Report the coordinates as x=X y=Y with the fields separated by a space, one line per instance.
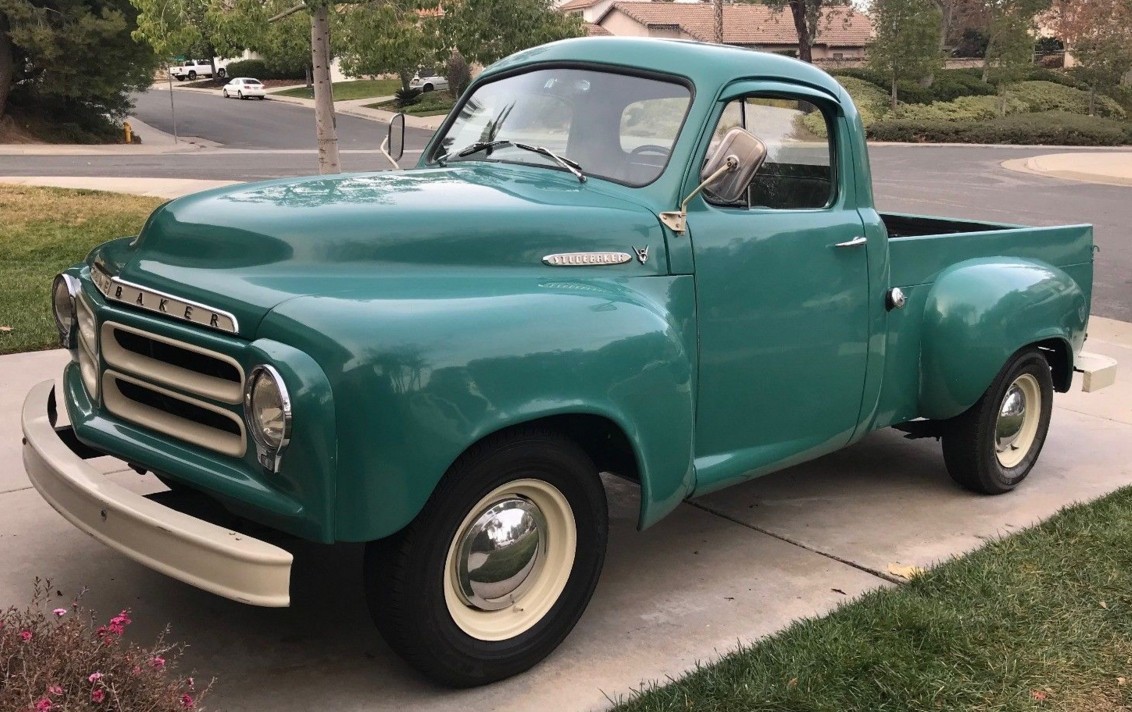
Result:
x=197 y=552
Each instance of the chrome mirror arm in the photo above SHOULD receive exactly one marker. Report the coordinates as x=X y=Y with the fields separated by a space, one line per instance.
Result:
x=677 y=220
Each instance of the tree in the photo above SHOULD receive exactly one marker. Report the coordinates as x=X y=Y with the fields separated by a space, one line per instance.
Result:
x=487 y=30
x=71 y=59
x=1098 y=33
x=239 y=25
x=1010 y=41
x=176 y=28
x=906 y=45
x=807 y=15
x=388 y=36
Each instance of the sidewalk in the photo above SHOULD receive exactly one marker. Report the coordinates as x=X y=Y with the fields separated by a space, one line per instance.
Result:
x=1108 y=168
x=154 y=142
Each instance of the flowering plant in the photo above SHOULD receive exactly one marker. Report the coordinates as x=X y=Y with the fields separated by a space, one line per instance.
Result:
x=54 y=658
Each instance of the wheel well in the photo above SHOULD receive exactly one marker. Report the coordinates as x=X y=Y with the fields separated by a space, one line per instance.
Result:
x=1056 y=352
x=601 y=438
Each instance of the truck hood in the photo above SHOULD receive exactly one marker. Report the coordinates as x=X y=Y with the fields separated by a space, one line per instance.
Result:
x=245 y=249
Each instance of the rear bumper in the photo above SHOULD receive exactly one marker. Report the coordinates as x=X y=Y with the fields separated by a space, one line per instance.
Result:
x=192 y=550
x=1098 y=371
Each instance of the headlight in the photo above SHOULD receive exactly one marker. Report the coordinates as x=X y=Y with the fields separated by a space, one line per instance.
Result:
x=63 y=293
x=267 y=408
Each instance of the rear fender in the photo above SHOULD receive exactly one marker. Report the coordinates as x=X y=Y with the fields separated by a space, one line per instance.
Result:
x=979 y=313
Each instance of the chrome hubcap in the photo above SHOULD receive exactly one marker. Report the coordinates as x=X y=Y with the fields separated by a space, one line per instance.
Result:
x=1011 y=416
x=498 y=552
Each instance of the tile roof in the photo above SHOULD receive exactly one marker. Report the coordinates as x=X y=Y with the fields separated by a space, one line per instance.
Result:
x=749 y=24
x=593 y=30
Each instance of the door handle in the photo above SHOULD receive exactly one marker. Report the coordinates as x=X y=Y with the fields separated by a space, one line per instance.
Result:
x=855 y=242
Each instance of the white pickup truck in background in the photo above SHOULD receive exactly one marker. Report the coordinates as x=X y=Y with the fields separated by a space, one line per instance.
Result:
x=193 y=68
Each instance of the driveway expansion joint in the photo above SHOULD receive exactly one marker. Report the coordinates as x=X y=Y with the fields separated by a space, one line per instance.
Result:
x=834 y=557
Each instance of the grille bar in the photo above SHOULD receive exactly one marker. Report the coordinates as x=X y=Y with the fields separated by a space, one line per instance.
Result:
x=173 y=414
x=190 y=368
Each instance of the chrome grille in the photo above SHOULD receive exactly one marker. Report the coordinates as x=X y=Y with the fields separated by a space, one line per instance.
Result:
x=88 y=346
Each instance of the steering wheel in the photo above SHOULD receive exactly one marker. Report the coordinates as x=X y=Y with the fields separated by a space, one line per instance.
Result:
x=650 y=148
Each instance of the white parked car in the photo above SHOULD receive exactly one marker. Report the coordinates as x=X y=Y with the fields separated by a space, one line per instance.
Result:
x=244 y=88
x=427 y=82
x=194 y=68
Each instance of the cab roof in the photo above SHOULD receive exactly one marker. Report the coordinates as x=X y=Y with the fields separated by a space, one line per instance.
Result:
x=706 y=65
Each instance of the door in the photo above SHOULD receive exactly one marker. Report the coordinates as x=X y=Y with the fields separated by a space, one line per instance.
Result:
x=782 y=288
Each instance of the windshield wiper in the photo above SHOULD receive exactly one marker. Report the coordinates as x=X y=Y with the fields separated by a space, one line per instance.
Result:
x=570 y=165
x=472 y=148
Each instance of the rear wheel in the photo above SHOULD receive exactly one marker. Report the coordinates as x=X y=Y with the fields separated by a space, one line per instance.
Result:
x=221 y=73
x=240 y=94
x=992 y=446
x=498 y=567
x=427 y=87
x=192 y=75
x=225 y=92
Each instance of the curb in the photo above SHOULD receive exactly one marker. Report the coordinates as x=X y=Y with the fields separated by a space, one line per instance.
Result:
x=1032 y=166
x=353 y=107
x=1015 y=146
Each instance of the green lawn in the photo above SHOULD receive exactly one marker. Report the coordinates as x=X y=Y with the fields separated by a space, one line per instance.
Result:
x=45 y=231
x=433 y=103
x=1041 y=620
x=359 y=89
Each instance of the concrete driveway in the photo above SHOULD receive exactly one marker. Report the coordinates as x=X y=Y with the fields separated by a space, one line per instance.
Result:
x=725 y=569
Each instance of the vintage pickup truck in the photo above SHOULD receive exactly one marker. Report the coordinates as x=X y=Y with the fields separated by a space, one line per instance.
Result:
x=651 y=258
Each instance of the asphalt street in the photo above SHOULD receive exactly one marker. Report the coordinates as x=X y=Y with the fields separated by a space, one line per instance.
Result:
x=272 y=139
x=255 y=124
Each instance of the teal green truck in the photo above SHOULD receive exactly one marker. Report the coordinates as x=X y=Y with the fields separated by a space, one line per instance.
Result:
x=655 y=259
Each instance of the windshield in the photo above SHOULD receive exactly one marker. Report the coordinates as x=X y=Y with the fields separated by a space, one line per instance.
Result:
x=613 y=126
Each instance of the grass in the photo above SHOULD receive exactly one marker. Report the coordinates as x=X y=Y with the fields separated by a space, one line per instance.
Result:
x=45 y=231
x=1041 y=620
x=433 y=103
x=344 y=91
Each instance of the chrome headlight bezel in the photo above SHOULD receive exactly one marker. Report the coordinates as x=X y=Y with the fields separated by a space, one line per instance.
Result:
x=268 y=453
x=64 y=295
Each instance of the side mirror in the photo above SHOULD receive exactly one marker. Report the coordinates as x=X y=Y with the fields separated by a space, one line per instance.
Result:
x=739 y=156
x=742 y=154
x=394 y=144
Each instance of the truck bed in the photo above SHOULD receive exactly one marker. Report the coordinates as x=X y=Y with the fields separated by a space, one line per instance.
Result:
x=900 y=225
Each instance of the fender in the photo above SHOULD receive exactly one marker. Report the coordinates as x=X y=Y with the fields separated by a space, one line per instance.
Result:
x=422 y=372
x=980 y=312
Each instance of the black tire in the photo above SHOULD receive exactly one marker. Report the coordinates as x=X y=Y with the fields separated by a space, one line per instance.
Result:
x=179 y=78
x=221 y=73
x=192 y=76
x=225 y=93
x=406 y=573
x=240 y=94
x=426 y=87
x=261 y=98
x=970 y=439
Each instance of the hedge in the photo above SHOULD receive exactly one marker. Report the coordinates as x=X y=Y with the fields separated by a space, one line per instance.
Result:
x=258 y=69
x=1048 y=96
x=1042 y=128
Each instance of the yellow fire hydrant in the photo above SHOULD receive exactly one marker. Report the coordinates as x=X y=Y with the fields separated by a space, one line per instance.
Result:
x=129 y=131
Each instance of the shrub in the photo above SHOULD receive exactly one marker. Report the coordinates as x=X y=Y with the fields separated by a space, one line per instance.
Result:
x=965 y=108
x=259 y=69
x=1047 y=96
x=54 y=658
x=458 y=74
x=406 y=97
x=1042 y=128
x=864 y=75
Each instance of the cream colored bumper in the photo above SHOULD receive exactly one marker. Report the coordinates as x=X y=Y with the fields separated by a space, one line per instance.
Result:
x=1097 y=371
x=215 y=559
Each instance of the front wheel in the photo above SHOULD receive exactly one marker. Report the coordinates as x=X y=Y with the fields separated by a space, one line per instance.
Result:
x=498 y=567
x=240 y=95
x=225 y=92
x=192 y=75
x=992 y=446
x=221 y=73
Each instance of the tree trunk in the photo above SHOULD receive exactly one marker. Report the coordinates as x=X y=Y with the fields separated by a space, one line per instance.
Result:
x=7 y=65
x=718 y=21
x=325 y=129
x=798 y=10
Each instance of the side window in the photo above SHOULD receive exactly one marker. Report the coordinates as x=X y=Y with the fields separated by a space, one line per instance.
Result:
x=798 y=172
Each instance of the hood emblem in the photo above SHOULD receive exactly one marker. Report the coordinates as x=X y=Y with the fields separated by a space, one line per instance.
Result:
x=587 y=259
x=120 y=290
x=642 y=253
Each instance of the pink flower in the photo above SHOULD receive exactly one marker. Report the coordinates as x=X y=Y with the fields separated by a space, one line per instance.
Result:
x=43 y=705
x=94 y=677
x=157 y=663
x=60 y=612
x=187 y=700
x=25 y=635
x=97 y=695
x=55 y=690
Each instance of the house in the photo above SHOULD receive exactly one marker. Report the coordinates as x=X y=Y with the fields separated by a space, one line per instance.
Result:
x=843 y=32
